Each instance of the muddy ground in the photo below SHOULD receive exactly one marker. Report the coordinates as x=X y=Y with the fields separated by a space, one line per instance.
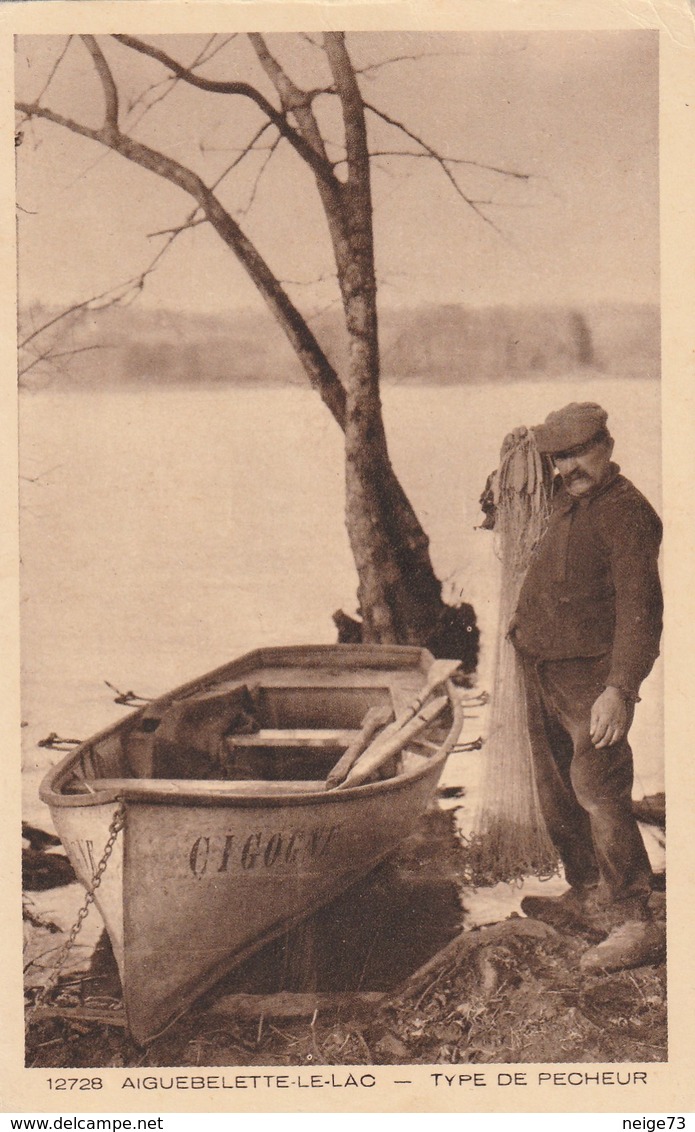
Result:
x=519 y=998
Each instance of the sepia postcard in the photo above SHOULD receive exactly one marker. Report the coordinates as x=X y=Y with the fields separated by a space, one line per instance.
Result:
x=347 y=502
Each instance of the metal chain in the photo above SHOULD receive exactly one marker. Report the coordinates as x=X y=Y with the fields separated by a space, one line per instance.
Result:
x=117 y=824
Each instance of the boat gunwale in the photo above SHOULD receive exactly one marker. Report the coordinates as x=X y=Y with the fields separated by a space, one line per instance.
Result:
x=384 y=657
x=133 y=795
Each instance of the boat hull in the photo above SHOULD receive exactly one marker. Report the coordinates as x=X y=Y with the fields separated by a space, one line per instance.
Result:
x=205 y=873
x=214 y=885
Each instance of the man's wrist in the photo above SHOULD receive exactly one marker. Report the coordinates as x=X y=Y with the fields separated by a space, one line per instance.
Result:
x=628 y=695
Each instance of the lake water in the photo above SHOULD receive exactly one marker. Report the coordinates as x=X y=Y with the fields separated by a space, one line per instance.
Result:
x=164 y=532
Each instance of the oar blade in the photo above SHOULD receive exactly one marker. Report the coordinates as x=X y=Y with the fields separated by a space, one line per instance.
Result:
x=386 y=746
x=374 y=720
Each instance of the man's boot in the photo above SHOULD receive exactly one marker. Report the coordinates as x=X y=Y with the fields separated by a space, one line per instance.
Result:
x=634 y=943
x=577 y=910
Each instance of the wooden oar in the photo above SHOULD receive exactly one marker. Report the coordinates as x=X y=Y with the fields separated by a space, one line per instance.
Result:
x=376 y=718
x=384 y=747
x=438 y=673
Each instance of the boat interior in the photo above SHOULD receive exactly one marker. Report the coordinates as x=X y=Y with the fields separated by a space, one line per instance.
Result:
x=268 y=735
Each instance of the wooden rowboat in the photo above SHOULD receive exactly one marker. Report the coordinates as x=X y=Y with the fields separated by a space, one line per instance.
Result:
x=230 y=833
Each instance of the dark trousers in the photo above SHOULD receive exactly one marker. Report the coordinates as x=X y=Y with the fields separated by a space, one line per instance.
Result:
x=585 y=793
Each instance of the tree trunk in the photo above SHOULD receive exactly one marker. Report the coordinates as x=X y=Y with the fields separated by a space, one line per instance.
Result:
x=391 y=511
x=399 y=595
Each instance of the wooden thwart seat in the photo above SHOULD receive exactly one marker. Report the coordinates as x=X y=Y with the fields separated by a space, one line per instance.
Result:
x=292 y=737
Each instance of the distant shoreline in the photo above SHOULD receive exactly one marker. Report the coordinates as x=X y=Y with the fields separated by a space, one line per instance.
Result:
x=439 y=346
x=137 y=385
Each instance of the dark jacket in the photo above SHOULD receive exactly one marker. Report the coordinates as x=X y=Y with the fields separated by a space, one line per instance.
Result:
x=593 y=587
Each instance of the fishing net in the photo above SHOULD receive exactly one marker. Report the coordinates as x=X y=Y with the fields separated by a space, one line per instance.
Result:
x=509 y=838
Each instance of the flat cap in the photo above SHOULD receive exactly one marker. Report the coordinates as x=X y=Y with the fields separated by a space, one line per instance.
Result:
x=567 y=428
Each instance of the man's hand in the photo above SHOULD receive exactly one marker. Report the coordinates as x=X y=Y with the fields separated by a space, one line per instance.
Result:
x=611 y=717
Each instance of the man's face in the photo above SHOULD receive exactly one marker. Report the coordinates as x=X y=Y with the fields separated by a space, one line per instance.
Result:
x=585 y=467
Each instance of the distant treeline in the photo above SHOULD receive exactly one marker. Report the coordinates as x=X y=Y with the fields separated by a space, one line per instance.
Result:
x=445 y=345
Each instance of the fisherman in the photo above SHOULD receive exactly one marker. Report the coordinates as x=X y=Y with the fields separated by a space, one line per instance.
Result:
x=587 y=628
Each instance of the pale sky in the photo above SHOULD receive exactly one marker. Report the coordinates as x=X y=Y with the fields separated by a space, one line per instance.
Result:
x=576 y=110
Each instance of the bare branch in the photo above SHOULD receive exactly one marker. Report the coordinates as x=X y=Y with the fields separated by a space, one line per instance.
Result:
x=241 y=150
x=191 y=223
x=441 y=161
x=209 y=52
x=193 y=220
x=320 y=166
x=244 y=153
x=114 y=296
x=54 y=68
x=33 y=110
x=299 y=103
x=352 y=106
x=266 y=161
x=107 y=82
x=403 y=59
x=121 y=295
x=168 y=84
x=293 y=100
x=309 y=282
x=58 y=318
x=447 y=161
x=171 y=81
x=51 y=354
x=307 y=38
x=320 y=372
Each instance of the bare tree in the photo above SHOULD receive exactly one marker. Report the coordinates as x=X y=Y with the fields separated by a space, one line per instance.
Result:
x=399 y=594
